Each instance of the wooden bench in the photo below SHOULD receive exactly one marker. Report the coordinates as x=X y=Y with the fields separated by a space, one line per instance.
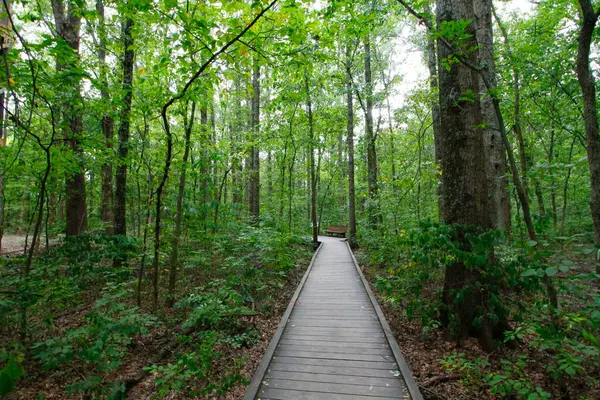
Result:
x=336 y=230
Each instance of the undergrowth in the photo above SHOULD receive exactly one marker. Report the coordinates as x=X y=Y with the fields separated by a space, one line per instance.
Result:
x=74 y=319
x=408 y=271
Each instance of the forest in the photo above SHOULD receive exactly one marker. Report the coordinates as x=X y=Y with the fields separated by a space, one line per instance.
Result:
x=167 y=167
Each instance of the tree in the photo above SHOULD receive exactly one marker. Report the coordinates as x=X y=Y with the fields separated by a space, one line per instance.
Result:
x=311 y=149
x=494 y=149
x=67 y=19
x=588 y=19
x=124 y=129
x=254 y=157
x=371 y=139
x=463 y=164
x=107 y=123
x=350 y=144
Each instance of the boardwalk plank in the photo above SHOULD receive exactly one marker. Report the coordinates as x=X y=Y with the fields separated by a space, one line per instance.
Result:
x=390 y=381
x=330 y=349
x=335 y=370
x=333 y=345
x=363 y=390
x=281 y=394
x=386 y=365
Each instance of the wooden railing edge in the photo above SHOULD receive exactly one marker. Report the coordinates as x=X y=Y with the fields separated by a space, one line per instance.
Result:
x=407 y=375
x=259 y=374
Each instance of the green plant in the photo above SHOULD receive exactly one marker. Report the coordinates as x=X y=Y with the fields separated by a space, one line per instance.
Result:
x=102 y=341
x=192 y=373
x=246 y=339
x=512 y=381
x=9 y=375
x=214 y=309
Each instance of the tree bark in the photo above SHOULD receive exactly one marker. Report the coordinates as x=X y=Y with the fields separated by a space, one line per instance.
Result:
x=588 y=20
x=254 y=173
x=466 y=200
x=313 y=179
x=372 y=167
x=107 y=125
x=350 y=144
x=124 y=131
x=494 y=150
x=435 y=112
x=174 y=258
x=68 y=23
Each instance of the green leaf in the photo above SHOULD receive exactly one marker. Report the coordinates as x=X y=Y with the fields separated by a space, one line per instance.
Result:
x=529 y=272
x=564 y=268
x=551 y=271
x=8 y=376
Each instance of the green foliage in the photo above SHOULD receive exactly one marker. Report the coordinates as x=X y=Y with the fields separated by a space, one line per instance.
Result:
x=103 y=339
x=193 y=372
x=509 y=381
x=216 y=309
x=415 y=267
x=9 y=375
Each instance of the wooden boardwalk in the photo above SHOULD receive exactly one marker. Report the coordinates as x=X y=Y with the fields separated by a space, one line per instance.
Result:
x=333 y=342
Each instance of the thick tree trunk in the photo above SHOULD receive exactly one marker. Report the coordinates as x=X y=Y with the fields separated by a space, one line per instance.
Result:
x=463 y=163
x=350 y=144
x=68 y=24
x=107 y=124
x=589 y=18
x=124 y=130
x=494 y=150
x=254 y=173
x=372 y=167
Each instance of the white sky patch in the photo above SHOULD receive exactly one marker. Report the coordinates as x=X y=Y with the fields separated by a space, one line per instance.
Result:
x=409 y=60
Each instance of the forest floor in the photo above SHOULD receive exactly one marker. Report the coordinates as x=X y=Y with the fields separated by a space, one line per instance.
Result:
x=232 y=365
x=430 y=355
x=52 y=386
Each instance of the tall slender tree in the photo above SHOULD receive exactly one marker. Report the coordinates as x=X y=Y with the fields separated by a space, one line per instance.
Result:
x=67 y=19
x=588 y=20
x=370 y=138
x=107 y=124
x=350 y=144
x=124 y=128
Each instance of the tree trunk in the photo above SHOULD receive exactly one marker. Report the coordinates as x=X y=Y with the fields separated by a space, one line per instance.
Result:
x=124 y=130
x=372 y=167
x=313 y=179
x=236 y=164
x=565 y=189
x=494 y=150
x=5 y=44
x=435 y=112
x=254 y=174
x=463 y=163
x=68 y=24
x=350 y=144
x=107 y=125
x=589 y=18
x=204 y=165
x=174 y=258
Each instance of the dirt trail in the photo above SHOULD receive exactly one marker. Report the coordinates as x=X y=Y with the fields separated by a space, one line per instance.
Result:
x=15 y=243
